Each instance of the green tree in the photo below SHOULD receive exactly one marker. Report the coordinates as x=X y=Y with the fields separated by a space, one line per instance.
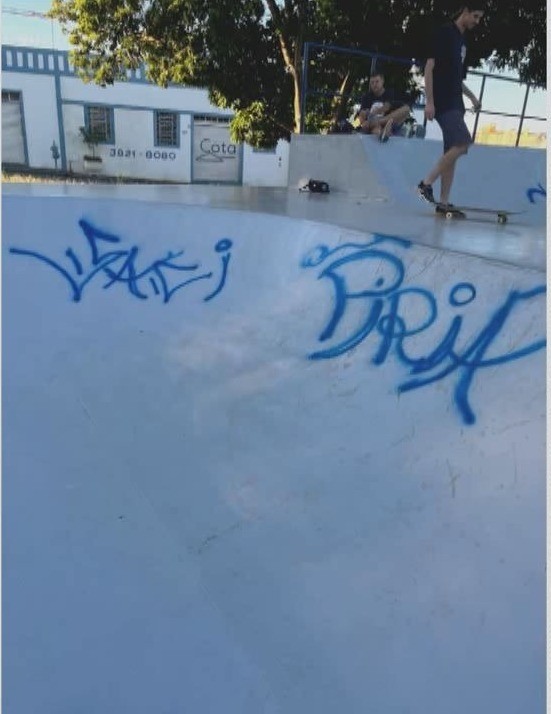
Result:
x=248 y=53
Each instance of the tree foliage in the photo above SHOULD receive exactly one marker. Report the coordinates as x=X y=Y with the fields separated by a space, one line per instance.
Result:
x=248 y=53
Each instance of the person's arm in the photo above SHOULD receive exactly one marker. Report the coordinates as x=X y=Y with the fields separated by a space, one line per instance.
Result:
x=429 y=94
x=364 y=108
x=381 y=109
x=474 y=100
x=388 y=97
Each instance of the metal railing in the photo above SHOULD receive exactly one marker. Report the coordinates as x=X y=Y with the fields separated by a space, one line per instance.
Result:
x=377 y=57
x=522 y=116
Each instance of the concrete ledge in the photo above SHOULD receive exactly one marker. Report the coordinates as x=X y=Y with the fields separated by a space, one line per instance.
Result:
x=360 y=166
x=338 y=159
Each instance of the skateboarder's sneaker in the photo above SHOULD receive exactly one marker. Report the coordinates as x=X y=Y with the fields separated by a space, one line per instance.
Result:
x=409 y=130
x=444 y=209
x=424 y=191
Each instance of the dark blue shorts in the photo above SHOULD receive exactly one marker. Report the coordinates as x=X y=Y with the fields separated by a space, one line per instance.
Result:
x=454 y=129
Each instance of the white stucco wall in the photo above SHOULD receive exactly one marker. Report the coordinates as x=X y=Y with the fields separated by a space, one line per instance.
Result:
x=134 y=153
x=39 y=114
x=266 y=168
x=137 y=94
x=134 y=133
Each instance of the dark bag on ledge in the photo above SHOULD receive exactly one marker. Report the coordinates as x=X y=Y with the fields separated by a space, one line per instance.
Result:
x=315 y=186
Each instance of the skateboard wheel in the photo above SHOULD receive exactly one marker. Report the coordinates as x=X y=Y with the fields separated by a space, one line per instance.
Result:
x=449 y=215
x=501 y=218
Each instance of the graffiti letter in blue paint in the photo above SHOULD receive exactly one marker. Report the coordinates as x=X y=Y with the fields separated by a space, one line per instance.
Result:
x=538 y=190
x=106 y=257
x=393 y=314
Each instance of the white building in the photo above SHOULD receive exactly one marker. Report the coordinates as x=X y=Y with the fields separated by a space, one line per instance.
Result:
x=144 y=131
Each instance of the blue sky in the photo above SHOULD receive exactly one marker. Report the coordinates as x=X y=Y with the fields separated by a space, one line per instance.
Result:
x=38 y=32
x=31 y=31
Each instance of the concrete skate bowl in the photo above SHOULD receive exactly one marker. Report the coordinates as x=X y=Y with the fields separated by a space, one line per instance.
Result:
x=499 y=177
x=255 y=464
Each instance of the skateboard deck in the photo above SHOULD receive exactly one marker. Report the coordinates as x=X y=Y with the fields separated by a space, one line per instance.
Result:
x=501 y=214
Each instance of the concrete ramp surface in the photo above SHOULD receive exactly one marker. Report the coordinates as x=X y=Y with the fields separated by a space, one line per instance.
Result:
x=262 y=464
x=489 y=176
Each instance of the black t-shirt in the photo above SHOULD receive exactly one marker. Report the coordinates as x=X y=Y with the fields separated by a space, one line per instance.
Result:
x=448 y=51
x=370 y=99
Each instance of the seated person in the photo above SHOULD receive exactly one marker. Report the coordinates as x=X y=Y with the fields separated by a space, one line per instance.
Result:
x=380 y=111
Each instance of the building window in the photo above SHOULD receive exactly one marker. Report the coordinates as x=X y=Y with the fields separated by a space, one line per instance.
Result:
x=10 y=97
x=166 y=128
x=99 y=122
x=211 y=119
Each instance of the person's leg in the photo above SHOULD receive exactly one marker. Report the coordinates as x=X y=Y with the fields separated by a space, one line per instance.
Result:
x=447 y=174
x=444 y=170
x=383 y=123
x=398 y=116
x=456 y=143
x=393 y=119
x=373 y=124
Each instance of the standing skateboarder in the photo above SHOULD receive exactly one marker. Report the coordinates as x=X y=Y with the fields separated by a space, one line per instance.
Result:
x=444 y=88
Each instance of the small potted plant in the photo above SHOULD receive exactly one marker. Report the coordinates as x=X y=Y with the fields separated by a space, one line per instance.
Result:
x=91 y=161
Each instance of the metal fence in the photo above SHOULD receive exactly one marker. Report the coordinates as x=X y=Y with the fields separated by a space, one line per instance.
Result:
x=486 y=80
x=483 y=79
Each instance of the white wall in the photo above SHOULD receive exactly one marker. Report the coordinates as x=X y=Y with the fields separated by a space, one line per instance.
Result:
x=134 y=132
x=40 y=115
x=266 y=168
x=134 y=154
x=134 y=137
x=138 y=94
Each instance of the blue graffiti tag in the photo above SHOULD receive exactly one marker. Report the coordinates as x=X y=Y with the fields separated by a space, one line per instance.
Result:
x=120 y=266
x=386 y=304
x=538 y=190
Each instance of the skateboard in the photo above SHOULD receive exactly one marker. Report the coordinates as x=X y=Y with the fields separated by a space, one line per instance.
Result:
x=501 y=214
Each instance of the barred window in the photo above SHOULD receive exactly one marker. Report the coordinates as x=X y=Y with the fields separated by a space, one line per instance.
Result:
x=8 y=96
x=211 y=119
x=99 y=122
x=166 y=129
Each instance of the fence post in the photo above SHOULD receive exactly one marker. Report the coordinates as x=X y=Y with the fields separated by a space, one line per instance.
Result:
x=480 y=100
x=304 y=84
x=521 y=122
